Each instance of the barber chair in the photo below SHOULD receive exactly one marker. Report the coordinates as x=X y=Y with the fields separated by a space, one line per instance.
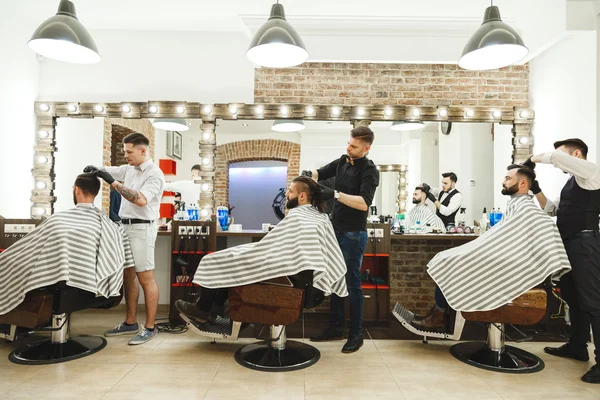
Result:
x=274 y=303
x=494 y=354
x=53 y=305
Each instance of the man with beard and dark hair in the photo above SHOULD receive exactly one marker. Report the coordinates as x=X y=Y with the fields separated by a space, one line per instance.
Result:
x=464 y=276
x=421 y=213
x=305 y=227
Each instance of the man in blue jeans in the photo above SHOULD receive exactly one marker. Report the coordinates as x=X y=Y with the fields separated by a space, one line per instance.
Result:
x=356 y=178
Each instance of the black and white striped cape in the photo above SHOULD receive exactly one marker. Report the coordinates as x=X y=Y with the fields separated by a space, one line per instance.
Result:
x=303 y=240
x=515 y=255
x=80 y=246
x=424 y=214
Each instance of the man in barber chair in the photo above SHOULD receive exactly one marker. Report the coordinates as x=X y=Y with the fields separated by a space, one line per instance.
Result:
x=303 y=240
x=512 y=257
x=81 y=247
x=422 y=213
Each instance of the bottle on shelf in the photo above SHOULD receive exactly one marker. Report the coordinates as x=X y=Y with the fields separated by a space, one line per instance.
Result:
x=418 y=228
x=484 y=222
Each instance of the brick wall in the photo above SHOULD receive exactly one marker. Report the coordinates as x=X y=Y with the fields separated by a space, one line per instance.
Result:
x=406 y=84
x=252 y=150
x=115 y=129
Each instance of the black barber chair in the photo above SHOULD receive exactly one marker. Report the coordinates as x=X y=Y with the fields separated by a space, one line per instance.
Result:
x=276 y=303
x=56 y=302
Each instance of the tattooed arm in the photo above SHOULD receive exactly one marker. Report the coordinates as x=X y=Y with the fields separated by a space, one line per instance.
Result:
x=133 y=196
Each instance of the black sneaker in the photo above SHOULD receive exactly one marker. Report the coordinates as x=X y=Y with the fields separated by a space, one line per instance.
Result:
x=354 y=343
x=593 y=375
x=192 y=311
x=579 y=353
x=327 y=335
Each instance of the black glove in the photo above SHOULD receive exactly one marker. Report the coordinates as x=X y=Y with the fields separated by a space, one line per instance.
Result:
x=431 y=197
x=529 y=164
x=535 y=188
x=307 y=173
x=106 y=176
x=326 y=193
x=426 y=187
x=90 y=169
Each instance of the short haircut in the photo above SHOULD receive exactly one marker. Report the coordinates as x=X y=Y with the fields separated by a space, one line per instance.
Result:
x=450 y=175
x=88 y=184
x=421 y=188
x=136 y=139
x=313 y=191
x=177 y=194
x=196 y=167
x=572 y=145
x=363 y=133
x=523 y=172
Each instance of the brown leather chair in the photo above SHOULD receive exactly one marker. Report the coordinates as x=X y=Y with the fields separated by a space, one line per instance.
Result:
x=494 y=354
x=53 y=306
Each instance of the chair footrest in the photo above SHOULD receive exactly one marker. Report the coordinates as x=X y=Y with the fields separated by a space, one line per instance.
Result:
x=222 y=328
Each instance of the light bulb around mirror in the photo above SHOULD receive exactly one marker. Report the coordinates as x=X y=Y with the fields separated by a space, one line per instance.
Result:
x=388 y=112
x=523 y=140
x=99 y=108
x=180 y=110
x=126 y=109
x=335 y=111
x=416 y=112
x=39 y=211
x=72 y=107
x=497 y=114
x=524 y=114
x=205 y=187
x=206 y=161
x=207 y=109
x=259 y=110
x=204 y=212
x=41 y=185
x=42 y=160
x=153 y=109
x=310 y=110
x=206 y=136
x=233 y=110
x=44 y=107
x=361 y=111
x=44 y=134
x=443 y=112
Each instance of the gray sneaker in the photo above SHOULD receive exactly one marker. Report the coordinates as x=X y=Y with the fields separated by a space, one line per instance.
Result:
x=144 y=336
x=122 y=329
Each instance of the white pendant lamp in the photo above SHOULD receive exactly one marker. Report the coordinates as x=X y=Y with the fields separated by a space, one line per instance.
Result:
x=406 y=126
x=494 y=45
x=289 y=125
x=63 y=38
x=171 y=124
x=276 y=44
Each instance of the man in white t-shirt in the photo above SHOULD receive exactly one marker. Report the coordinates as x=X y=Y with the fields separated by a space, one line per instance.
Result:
x=190 y=190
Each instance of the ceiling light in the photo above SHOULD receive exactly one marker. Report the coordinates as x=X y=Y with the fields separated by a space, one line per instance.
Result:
x=259 y=110
x=153 y=109
x=388 y=112
x=180 y=110
x=335 y=111
x=233 y=109
x=523 y=140
x=72 y=107
x=207 y=109
x=284 y=110
x=276 y=44
x=497 y=114
x=524 y=114
x=443 y=112
x=416 y=113
x=406 y=126
x=41 y=185
x=171 y=124
x=290 y=125
x=310 y=110
x=493 y=45
x=470 y=113
x=63 y=38
x=126 y=109
x=99 y=108
x=44 y=107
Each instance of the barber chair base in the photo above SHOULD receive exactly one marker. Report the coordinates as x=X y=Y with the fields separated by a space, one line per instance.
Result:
x=510 y=360
x=46 y=352
x=262 y=356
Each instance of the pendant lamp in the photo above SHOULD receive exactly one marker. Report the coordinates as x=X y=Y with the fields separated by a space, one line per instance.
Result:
x=494 y=45
x=171 y=124
x=63 y=38
x=276 y=44
x=406 y=126
x=289 y=125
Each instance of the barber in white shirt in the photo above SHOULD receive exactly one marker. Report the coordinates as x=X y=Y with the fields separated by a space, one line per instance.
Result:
x=190 y=190
x=447 y=200
x=142 y=187
x=577 y=219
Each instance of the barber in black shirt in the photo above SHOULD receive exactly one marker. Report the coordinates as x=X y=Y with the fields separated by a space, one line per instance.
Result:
x=356 y=178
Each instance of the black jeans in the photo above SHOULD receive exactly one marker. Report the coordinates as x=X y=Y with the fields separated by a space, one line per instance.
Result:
x=210 y=297
x=580 y=288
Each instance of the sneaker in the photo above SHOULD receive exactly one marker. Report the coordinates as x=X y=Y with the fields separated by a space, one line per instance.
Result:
x=192 y=311
x=144 y=336
x=327 y=335
x=122 y=329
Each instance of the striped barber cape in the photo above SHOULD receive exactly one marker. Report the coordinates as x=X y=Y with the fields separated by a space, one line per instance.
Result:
x=516 y=254
x=80 y=246
x=424 y=214
x=303 y=240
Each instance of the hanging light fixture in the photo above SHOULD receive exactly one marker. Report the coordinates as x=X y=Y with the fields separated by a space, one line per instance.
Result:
x=63 y=38
x=171 y=124
x=494 y=45
x=406 y=126
x=288 y=125
x=276 y=44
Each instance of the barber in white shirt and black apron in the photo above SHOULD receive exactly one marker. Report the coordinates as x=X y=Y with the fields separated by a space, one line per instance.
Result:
x=577 y=219
x=447 y=200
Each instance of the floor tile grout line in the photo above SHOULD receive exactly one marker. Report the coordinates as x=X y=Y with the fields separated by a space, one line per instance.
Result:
x=123 y=377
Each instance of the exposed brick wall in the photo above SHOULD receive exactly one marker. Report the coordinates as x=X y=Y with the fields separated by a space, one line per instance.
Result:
x=406 y=84
x=252 y=150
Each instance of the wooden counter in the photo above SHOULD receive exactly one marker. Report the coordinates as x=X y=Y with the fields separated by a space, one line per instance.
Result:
x=435 y=236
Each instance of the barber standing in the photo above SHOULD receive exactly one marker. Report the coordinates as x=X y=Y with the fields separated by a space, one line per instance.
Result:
x=577 y=220
x=356 y=178
x=142 y=188
x=447 y=200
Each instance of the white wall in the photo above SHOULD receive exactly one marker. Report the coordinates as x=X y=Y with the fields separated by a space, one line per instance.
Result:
x=562 y=91
x=190 y=151
x=81 y=144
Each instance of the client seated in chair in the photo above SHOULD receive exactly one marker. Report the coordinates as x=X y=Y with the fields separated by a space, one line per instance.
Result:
x=81 y=247
x=422 y=213
x=303 y=240
x=514 y=256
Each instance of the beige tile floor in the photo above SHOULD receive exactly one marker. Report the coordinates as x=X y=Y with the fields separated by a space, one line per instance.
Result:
x=189 y=367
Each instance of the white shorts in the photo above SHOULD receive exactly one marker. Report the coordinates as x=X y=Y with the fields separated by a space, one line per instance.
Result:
x=143 y=239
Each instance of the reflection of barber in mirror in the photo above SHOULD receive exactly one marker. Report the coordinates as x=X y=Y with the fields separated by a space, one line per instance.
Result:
x=142 y=187
x=189 y=189
x=447 y=200
x=577 y=218
x=356 y=178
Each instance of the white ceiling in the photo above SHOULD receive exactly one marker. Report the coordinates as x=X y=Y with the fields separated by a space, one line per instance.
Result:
x=375 y=30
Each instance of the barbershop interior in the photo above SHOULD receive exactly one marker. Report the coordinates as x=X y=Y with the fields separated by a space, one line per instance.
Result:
x=300 y=199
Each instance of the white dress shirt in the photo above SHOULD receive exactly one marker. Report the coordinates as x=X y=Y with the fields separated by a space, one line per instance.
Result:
x=149 y=180
x=454 y=204
x=190 y=190
x=586 y=173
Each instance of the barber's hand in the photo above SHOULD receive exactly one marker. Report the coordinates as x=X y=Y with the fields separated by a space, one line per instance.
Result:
x=307 y=173
x=106 y=176
x=431 y=197
x=90 y=169
x=326 y=193
x=528 y=163
x=426 y=187
x=535 y=188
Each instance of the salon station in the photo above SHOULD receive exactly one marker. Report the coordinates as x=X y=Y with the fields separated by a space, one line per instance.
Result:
x=300 y=200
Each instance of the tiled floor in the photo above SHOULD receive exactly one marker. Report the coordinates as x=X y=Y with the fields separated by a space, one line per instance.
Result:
x=189 y=367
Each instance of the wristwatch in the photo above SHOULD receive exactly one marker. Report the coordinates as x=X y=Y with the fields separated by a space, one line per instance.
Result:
x=336 y=194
